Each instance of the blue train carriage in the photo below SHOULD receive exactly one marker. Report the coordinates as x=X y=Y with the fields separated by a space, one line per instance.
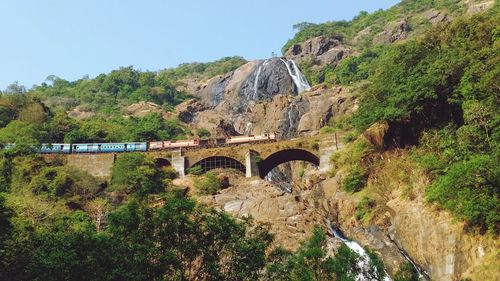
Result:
x=112 y=147
x=85 y=148
x=55 y=148
x=136 y=146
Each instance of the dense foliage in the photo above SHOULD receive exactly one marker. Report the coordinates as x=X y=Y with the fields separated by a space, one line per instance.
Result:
x=439 y=91
x=347 y=30
x=446 y=84
x=177 y=241
x=202 y=71
x=58 y=223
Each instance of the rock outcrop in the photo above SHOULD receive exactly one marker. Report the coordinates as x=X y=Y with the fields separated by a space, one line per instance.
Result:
x=439 y=244
x=142 y=109
x=435 y=16
x=187 y=110
x=376 y=134
x=393 y=31
x=80 y=114
x=320 y=50
x=474 y=7
x=326 y=103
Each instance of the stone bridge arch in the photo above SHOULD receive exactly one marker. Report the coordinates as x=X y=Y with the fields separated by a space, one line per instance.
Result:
x=286 y=155
x=219 y=162
x=162 y=162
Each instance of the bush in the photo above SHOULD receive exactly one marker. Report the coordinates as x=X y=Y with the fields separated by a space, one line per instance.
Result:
x=315 y=146
x=258 y=159
x=364 y=207
x=406 y=272
x=195 y=170
x=351 y=155
x=208 y=185
x=170 y=173
x=355 y=180
x=203 y=133
x=470 y=190
x=350 y=137
x=136 y=173
x=327 y=130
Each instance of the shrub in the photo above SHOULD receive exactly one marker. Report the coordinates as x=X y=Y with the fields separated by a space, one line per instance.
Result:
x=348 y=138
x=195 y=170
x=170 y=173
x=209 y=184
x=203 y=133
x=355 y=180
x=327 y=130
x=258 y=159
x=364 y=207
x=315 y=146
x=302 y=172
x=135 y=173
x=351 y=155
x=406 y=272
x=470 y=190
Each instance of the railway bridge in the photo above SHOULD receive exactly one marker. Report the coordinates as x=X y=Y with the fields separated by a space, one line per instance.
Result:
x=252 y=159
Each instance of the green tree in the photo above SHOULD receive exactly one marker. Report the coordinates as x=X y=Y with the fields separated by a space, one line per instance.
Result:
x=136 y=173
x=208 y=184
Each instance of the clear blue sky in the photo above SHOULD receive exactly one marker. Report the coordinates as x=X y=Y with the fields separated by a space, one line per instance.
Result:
x=71 y=38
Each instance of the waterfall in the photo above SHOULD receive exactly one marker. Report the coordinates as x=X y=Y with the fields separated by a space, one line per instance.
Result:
x=248 y=128
x=280 y=178
x=256 y=82
x=297 y=76
x=364 y=259
x=422 y=275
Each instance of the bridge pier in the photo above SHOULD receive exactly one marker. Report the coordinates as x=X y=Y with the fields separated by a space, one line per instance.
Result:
x=179 y=163
x=252 y=168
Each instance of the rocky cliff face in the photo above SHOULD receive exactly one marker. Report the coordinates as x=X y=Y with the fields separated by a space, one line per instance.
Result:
x=263 y=96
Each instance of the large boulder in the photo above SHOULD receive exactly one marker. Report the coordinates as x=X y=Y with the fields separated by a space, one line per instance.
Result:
x=393 y=31
x=376 y=134
x=142 y=109
x=325 y=103
x=320 y=50
x=435 y=16
x=187 y=110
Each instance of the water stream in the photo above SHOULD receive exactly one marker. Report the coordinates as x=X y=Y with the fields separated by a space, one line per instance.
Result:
x=422 y=275
x=364 y=259
x=297 y=76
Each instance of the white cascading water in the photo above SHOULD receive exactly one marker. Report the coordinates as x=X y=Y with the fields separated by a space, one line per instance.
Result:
x=364 y=259
x=297 y=76
x=248 y=128
x=256 y=83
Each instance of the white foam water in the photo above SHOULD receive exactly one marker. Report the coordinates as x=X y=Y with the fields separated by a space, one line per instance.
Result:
x=256 y=82
x=297 y=76
x=364 y=259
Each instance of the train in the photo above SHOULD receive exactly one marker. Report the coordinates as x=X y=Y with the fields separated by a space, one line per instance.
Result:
x=75 y=148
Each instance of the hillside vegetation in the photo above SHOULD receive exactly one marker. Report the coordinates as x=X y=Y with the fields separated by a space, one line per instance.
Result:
x=346 y=31
x=441 y=93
